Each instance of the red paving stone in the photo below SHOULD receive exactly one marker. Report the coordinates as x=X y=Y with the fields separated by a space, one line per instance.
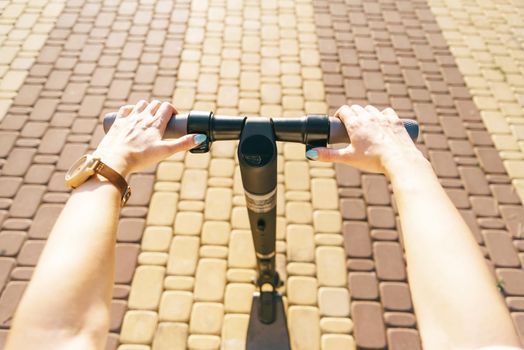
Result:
x=386 y=54
x=80 y=73
x=394 y=51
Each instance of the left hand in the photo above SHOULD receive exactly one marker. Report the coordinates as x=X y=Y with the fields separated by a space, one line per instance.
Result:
x=134 y=142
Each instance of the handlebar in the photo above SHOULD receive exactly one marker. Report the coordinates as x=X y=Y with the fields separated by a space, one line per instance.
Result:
x=312 y=130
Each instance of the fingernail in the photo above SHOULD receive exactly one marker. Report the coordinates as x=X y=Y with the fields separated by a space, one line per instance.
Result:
x=199 y=138
x=312 y=154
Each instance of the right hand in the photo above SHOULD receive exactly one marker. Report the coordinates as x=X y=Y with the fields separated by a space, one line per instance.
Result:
x=379 y=140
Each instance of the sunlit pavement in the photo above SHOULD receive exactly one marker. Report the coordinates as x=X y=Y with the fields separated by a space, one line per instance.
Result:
x=185 y=262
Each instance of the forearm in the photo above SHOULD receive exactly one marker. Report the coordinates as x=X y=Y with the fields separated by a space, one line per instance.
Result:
x=454 y=294
x=71 y=288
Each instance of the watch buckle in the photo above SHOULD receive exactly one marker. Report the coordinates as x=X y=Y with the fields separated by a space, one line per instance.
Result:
x=126 y=196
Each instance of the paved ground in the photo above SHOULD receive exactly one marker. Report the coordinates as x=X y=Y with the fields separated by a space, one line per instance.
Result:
x=183 y=270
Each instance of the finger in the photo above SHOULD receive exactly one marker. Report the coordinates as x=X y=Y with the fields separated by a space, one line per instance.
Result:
x=373 y=111
x=140 y=106
x=163 y=114
x=152 y=107
x=347 y=116
x=124 y=111
x=183 y=143
x=360 y=111
x=391 y=114
x=324 y=154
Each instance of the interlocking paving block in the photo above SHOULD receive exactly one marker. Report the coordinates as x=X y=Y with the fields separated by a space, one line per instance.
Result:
x=139 y=327
x=238 y=297
x=210 y=280
x=170 y=335
x=336 y=325
x=333 y=302
x=302 y=321
x=146 y=288
x=183 y=255
x=234 y=330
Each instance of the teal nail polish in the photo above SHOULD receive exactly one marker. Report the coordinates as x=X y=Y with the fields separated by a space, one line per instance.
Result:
x=199 y=138
x=312 y=154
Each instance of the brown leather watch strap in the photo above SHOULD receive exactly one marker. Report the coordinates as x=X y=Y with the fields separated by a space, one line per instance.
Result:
x=116 y=179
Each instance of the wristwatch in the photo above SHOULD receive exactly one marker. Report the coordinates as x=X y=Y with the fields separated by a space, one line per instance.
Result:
x=89 y=165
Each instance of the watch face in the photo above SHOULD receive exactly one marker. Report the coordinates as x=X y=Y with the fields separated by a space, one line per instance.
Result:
x=80 y=171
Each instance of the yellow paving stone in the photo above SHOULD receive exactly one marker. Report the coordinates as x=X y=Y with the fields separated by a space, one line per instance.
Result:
x=315 y=107
x=309 y=57
x=218 y=204
x=152 y=258
x=146 y=287
x=515 y=168
x=13 y=80
x=220 y=182
x=214 y=251
x=324 y=193
x=156 y=238
x=222 y=167
x=338 y=341
x=270 y=93
x=329 y=239
x=208 y=83
x=303 y=327
x=331 y=266
x=162 y=208
x=505 y=142
x=241 y=250
x=230 y=69
x=227 y=96
x=184 y=98
x=138 y=327
x=299 y=212
x=294 y=151
x=314 y=90
x=188 y=223
x=327 y=221
x=322 y=172
x=270 y=67
x=206 y=318
x=193 y=185
x=281 y=228
x=191 y=205
x=336 y=325
x=194 y=35
x=216 y=232
x=170 y=336
x=183 y=256
x=203 y=342
x=210 y=280
x=197 y=161
x=333 y=302
x=133 y=347
x=302 y=290
x=495 y=122
x=240 y=218
x=249 y=81
x=169 y=171
x=165 y=186
x=238 y=297
x=297 y=175
x=179 y=282
x=175 y=306
x=241 y=275
x=300 y=243
x=223 y=149
x=234 y=331
x=281 y=247
x=301 y=269
x=292 y=102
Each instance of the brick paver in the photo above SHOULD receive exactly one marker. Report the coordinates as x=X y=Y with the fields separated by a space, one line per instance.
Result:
x=486 y=39
x=185 y=265
x=387 y=53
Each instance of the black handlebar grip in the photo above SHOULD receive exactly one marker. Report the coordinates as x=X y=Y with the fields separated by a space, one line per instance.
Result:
x=338 y=133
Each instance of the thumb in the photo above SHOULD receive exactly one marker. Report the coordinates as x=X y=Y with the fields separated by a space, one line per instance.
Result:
x=324 y=154
x=183 y=143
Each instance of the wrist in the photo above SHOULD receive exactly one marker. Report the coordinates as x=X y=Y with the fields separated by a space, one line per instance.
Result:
x=114 y=161
x=406 y=165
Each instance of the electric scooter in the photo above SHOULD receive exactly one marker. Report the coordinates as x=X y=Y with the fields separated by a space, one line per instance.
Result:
x=257 y=156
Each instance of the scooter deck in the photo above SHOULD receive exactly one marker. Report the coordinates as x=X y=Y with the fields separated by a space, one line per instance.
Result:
x=261 y=336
